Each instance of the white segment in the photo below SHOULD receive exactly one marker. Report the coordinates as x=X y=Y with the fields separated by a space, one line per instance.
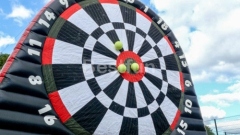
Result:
x=174 y=78
x=101 y=59
x=130 y=27
x=152 y=88
x=143 y=23
x=65 y=53
x=106 y=79
x=104 y=40
x=169 y=110
x=113 y=12
x=91 y=41
x=130 y=112
x=141 y=102
x=83 y=21
x=110 y=124
x=88 y=71
x=104 y=99
x=154 y=71
x=164 y=87
x=107 y=27
x=164 y=47
x=123 y=38
x=150 y=55
x=150 y=40
x=162 y=63
x=121 y=96
x=153 y=106
x=138 y=42
x=146 y=126
x=76 y=96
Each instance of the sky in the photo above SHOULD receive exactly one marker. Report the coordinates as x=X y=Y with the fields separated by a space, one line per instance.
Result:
x=208 y=32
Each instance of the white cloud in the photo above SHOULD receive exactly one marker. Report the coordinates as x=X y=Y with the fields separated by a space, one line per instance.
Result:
x=6 y=40
x=211 y=112
x=20 y=13
x=208 y=32
x=229 y=126
x=222 y=79
x=225 y=98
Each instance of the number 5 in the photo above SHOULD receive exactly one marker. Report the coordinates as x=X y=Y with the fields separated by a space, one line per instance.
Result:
x=184 y=125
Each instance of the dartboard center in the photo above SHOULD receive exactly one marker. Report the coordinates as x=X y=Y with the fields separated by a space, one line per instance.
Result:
x=135 y=69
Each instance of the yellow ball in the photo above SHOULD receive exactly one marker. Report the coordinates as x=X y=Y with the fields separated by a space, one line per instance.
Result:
x=135 y=67
x=122 y=68
x=118 y=45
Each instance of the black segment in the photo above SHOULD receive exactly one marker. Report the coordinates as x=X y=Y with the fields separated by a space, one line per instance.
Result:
x=97 y=13
x=155 y=80
x=160 y=122
x=144 y=48
x=143 y=112
x=174 y=94
x=113 y=36
x=117 y=108
x=131 y=97
x=129 y=126
x=146 y=93
x=67 y=75
x=131 y=39
x=155 y=34
x=86 y=57
x=152 y=64
x=160 y=98
x=97 y=33
x=129 y=15
x=72 y=34
x=99 y=70
x=90 y=115
x=142 y=33
x=118 y=25
x=93 y=85
x=164 y=75
x=170 y=62
x=113 y=88
x=99 y=48
x=158 y=51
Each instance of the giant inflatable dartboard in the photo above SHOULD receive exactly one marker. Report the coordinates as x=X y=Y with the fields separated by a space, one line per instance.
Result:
x=102 y=67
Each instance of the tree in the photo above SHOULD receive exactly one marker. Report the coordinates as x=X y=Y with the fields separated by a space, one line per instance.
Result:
x=209 y=130
x=3 y=58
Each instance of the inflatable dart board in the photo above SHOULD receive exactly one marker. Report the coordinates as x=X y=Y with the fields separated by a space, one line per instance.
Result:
x=102 y=67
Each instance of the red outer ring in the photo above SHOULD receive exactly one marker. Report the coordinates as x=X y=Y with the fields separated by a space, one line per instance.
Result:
x=131 y=77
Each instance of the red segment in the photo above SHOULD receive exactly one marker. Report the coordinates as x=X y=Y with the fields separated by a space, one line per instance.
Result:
x=175 y=121
x=59 y=107
x=74 y=8
x=143 y=14
x=182 y=81
x=131 y=55
x=18 y=47
x=170 y=44
x=47 y=51
x=109 y=1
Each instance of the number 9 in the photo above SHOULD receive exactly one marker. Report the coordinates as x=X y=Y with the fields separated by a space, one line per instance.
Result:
x=64 y=2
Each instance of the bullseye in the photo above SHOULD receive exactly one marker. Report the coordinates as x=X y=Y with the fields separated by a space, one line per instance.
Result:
x=135 y=69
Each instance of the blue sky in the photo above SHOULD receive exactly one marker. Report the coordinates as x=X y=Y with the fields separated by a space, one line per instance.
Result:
x=208 y=32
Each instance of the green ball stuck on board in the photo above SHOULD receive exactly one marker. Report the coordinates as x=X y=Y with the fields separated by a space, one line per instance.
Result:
x=118 y=45
x=135 y=67
x=122 y=68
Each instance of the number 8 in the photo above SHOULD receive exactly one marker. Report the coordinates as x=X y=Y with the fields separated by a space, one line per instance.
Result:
x=35 y=80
